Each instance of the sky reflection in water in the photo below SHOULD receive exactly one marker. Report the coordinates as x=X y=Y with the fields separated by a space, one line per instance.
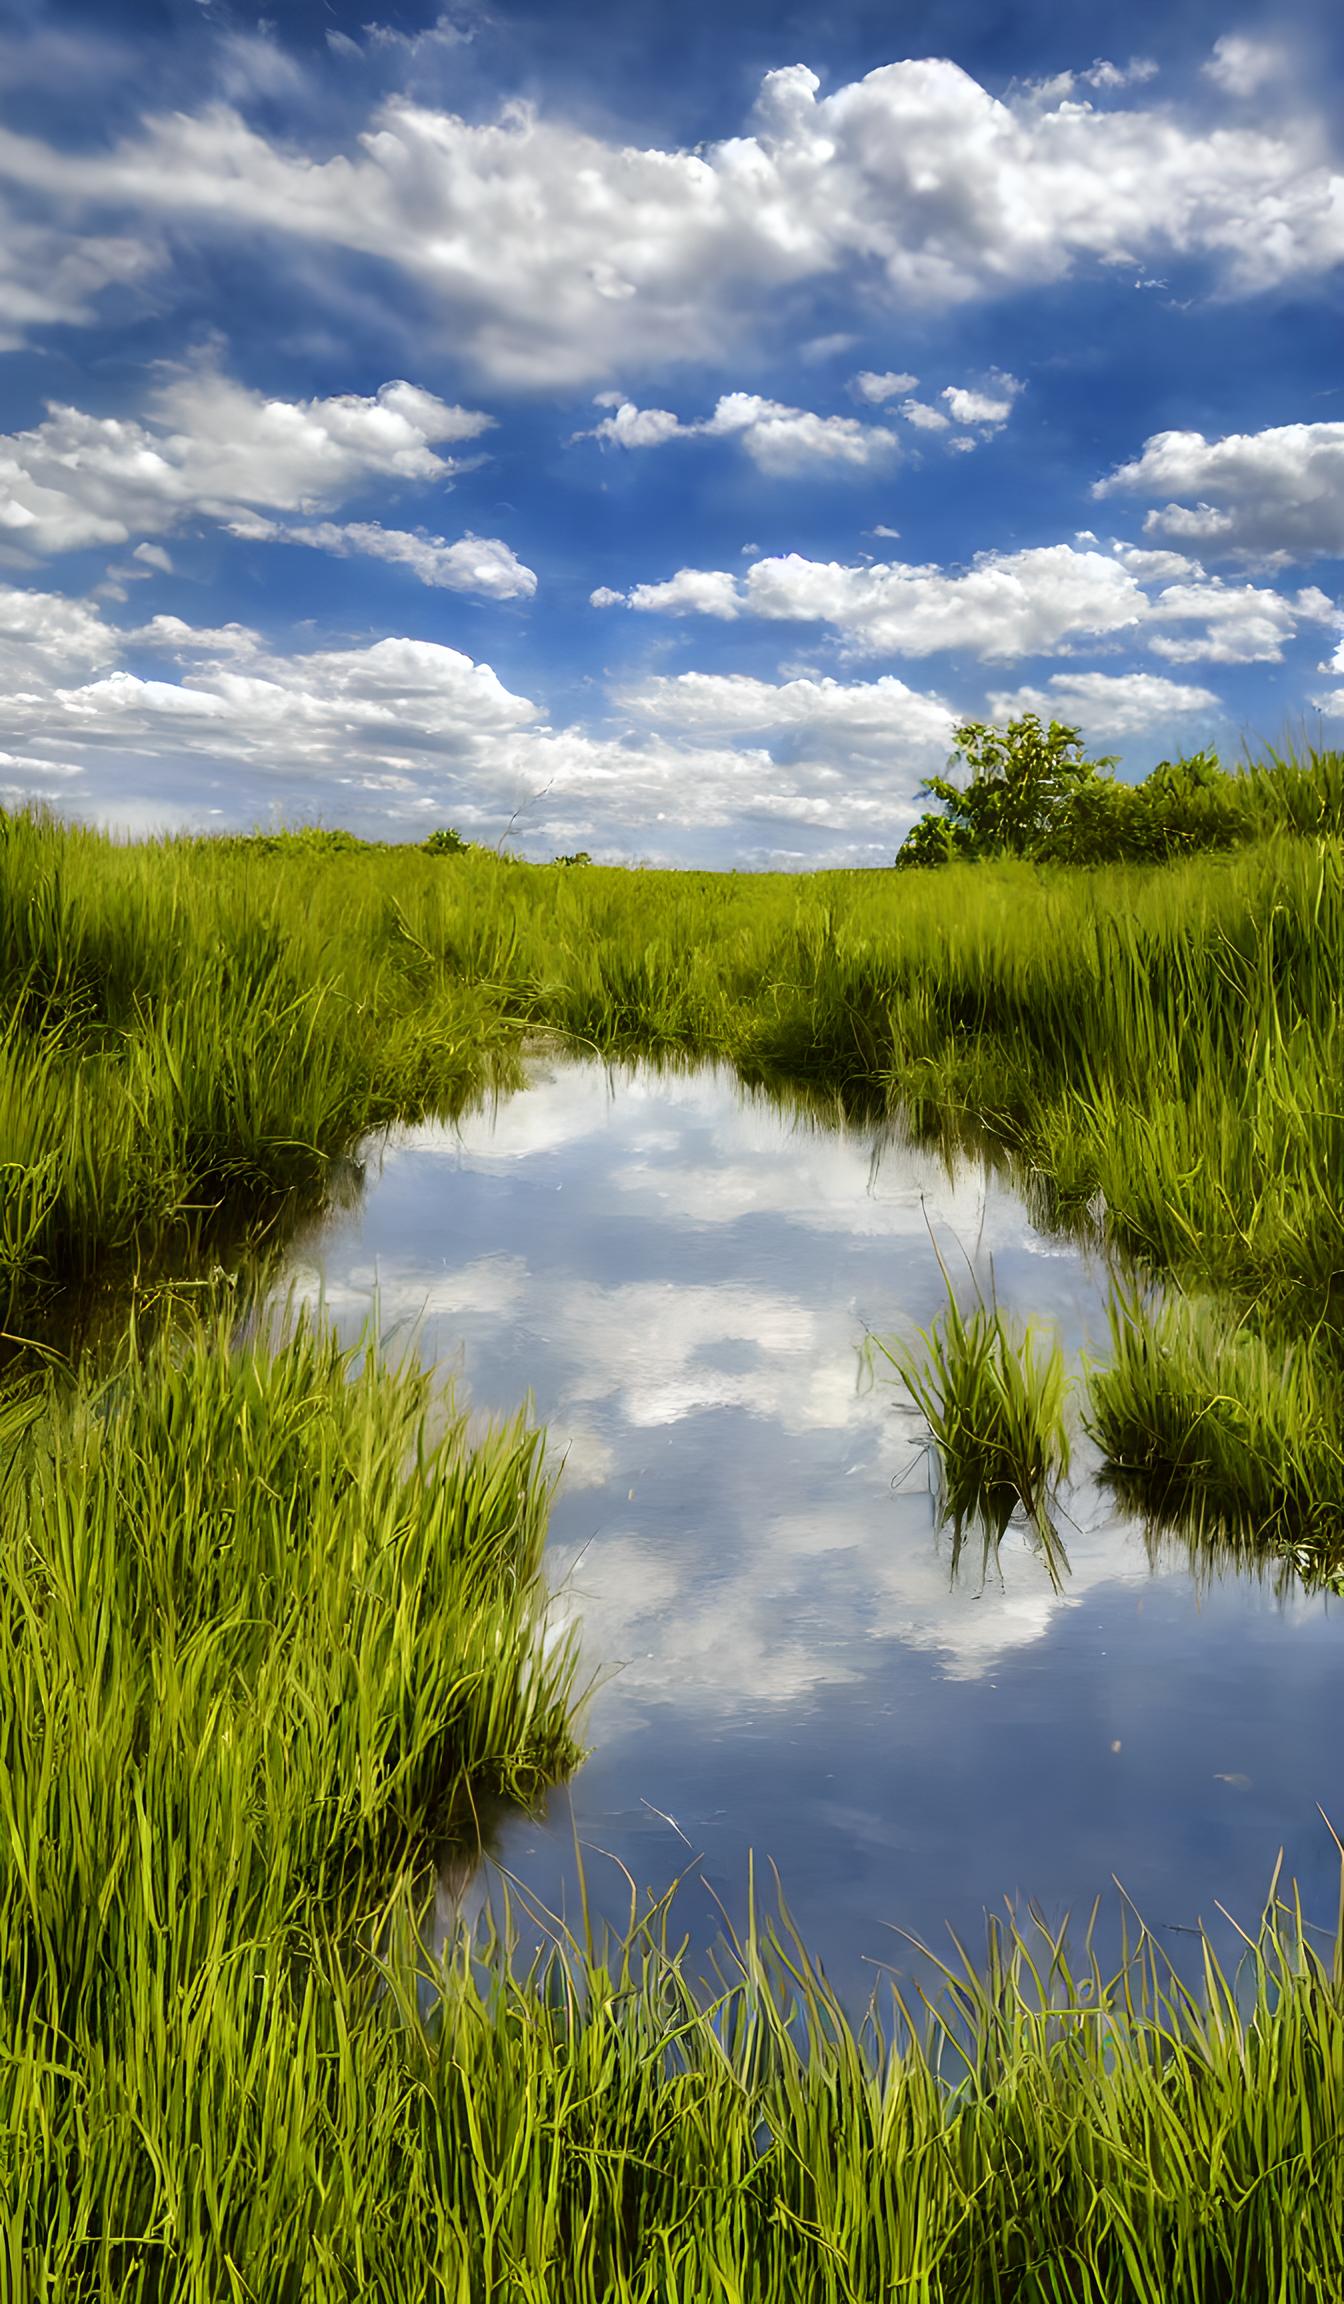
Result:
x=682 y=1280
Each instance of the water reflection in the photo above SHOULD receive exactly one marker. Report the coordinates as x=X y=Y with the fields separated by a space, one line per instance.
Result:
x=682 y=1277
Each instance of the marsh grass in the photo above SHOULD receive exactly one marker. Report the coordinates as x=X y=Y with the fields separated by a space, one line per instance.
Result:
x=596 y=2121
x=994 y=1394
x=1214 y=1428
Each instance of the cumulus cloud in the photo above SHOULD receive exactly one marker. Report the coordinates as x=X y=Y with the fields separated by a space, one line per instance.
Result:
x=65 y=682
x=1242 y=66
x=888 y=385
x=985 y=407
x=1241 y=623
x=401 y=727
x=781 y=441
x=209 y=446
x=479 y=564
x=989 y=408
x=174 y=724
x=1270 y=496
x=560 y=255
x=923 y=417
x=45 y=638
x=842 y=717
x=1116 y=704
x=1003 y=605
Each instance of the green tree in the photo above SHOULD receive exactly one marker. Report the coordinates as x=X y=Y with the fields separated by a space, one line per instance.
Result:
x=1023 y=780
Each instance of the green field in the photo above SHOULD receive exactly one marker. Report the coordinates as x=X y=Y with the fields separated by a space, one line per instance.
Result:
x=274 y=1621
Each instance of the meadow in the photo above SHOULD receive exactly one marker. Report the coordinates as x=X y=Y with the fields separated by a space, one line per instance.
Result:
x=274 y=1618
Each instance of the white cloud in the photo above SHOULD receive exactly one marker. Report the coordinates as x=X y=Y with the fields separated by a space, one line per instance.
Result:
x=1242 y=66
x=45 y=638
x=480 y=564
x=1242 y=623
x=885 y=386
x=253 y=64
x=1332 y=701
x=883 y=716
x=692 y=591
x=408 y=706
x=632 y=427
x=1004 y=605
x=780 y=440
x=401 y=727
x=1269 y=496
x=154 y=556
x=1102 y=75
x=991 y=408
x=1118 y=704
x=52 y=278
x=558 y=255
x=442 y=33
x=923 y=417
x=210 y=446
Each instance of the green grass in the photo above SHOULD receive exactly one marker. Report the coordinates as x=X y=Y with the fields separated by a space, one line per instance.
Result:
x=597 y=2123
x=1212 y=1427
x=994 y=1396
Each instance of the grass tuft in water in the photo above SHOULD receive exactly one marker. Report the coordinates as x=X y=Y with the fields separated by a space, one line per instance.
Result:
x=994 y=1395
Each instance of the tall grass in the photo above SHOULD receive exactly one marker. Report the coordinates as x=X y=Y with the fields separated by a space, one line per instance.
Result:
x=600 y=2124
x=195 y=1033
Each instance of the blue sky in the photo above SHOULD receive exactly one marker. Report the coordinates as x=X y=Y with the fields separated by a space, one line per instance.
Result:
x=652 y=430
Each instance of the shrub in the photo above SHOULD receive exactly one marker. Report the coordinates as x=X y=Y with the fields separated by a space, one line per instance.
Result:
x=1022 y=780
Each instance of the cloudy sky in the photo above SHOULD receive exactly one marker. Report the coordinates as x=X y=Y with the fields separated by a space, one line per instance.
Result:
x=652 y=429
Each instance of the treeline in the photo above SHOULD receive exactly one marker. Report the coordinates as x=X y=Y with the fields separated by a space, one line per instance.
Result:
x=1031 y=792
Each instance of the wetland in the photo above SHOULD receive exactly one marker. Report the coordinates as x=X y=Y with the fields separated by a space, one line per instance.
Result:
x=443 y=1302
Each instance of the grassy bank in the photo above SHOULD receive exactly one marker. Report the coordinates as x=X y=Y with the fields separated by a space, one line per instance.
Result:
x=269 y=1629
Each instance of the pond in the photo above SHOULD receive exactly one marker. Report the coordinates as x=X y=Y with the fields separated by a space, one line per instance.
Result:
x=681 y=1277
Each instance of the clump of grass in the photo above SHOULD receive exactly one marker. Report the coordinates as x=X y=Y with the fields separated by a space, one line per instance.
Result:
x=994 y=1396
x=1215 y=1427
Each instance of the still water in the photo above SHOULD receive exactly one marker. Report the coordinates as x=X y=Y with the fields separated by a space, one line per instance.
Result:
x=682 y=1278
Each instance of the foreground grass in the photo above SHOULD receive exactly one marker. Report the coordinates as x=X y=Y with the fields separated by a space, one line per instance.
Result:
x=264 y=1632
x=600 y=2126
